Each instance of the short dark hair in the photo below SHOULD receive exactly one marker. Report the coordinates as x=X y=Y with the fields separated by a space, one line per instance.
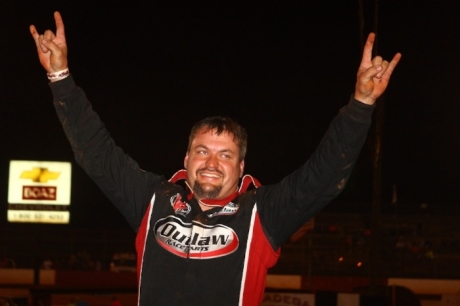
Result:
x=222 y=124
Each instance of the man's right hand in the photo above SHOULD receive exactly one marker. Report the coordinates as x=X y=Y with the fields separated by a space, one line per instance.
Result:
x=52 y=48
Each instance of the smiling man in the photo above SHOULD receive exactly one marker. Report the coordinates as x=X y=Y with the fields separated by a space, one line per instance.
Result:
x=211 y=241
x=215 y=158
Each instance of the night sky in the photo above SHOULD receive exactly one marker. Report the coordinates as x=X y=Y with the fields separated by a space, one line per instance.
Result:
x=282 y=69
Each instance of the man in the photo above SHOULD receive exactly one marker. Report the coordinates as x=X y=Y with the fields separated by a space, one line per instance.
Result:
x=211 y=242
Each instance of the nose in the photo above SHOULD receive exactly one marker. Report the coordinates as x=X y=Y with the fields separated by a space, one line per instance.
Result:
x=211 y=161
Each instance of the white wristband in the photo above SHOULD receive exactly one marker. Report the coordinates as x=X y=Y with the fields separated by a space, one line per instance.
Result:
x=58 y=75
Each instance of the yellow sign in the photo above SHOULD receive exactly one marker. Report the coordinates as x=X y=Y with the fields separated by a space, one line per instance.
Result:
x=39 y=191
x=39 y=182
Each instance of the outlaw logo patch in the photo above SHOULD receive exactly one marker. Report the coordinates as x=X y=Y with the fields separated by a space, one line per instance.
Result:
x=195 y=240
x=180 y=207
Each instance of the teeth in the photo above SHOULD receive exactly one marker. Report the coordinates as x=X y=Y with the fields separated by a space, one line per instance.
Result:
x=210 y=175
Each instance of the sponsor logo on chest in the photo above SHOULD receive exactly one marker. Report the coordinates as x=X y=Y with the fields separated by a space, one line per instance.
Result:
x=195 y=240
x=229 y=209
x=180 y=207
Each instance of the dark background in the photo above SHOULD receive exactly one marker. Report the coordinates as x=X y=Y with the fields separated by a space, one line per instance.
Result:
x=280 y=68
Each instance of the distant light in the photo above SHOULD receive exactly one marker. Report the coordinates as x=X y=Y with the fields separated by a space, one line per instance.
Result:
x=340 y=259
x=359 y=264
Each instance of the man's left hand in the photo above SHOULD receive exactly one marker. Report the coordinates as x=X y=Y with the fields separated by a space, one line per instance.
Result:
x=373 y=74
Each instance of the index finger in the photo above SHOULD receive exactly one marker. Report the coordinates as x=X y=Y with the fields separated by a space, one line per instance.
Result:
x=37 y=39
x=59 y=24
x=367 y=52
x=34 y=33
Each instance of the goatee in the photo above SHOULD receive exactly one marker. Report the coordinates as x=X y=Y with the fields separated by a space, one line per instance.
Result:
x=206 y=192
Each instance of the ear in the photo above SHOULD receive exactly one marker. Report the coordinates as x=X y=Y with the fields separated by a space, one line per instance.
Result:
x=186 y=161
x=241 y=168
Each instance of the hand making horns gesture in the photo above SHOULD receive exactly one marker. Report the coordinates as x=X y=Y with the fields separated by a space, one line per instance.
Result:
x=373 y=74
x=52 y=48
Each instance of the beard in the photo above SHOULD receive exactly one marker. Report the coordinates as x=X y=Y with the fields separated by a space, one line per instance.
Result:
x=206 y=192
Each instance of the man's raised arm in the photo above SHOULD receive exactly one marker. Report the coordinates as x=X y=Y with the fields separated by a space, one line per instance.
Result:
x=118 y=176
x=300 y=195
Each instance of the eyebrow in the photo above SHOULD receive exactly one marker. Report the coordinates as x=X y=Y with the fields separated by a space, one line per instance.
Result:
x=207 y=148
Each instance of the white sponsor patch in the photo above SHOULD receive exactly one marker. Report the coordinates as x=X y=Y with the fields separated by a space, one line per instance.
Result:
x=195 y=240
x=229 y=209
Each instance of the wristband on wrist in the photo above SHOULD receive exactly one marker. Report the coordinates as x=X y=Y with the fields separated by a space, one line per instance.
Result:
x=58 y=75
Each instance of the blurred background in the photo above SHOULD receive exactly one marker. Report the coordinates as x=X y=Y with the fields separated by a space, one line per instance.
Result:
x=282 y=69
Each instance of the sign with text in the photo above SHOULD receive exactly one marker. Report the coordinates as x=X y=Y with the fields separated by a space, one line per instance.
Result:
x=39 y=191
x=288 y=299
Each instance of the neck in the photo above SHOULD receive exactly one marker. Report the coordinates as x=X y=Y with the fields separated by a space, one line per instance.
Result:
x=207 y=204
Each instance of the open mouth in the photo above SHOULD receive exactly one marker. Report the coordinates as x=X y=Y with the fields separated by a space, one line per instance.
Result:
x=211 y=175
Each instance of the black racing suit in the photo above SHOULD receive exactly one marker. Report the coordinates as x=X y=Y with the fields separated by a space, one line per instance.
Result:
x=220 y=256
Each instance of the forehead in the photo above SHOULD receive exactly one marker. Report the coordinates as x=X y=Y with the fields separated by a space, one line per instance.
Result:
x=206 y=137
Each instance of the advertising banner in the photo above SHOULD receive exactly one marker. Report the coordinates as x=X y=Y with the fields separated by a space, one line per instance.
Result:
x=39 y=191
x=288 y=299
